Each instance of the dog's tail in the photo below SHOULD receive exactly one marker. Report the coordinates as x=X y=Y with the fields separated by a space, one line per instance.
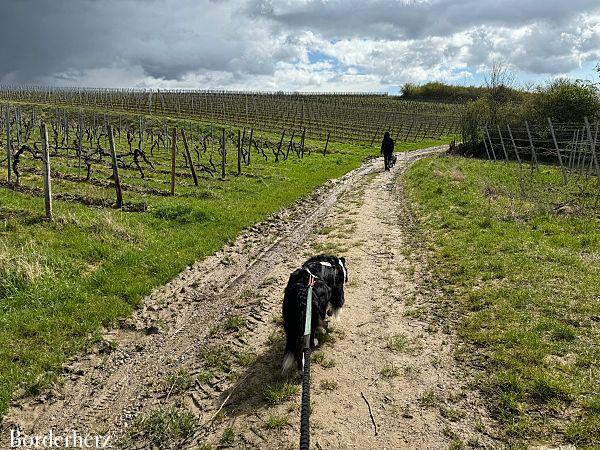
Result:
x=293 y=353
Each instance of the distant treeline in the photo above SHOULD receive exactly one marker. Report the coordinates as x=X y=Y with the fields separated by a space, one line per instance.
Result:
x=441 y=92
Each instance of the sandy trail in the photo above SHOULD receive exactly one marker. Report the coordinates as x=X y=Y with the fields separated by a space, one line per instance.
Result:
x=219 y=323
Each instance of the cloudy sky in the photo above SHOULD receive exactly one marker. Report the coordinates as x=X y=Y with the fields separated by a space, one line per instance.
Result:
x=299 y=45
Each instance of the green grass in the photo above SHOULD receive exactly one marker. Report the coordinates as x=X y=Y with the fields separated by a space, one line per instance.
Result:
x=428 y=399
x=178 y=382
x=235 y=323
x=217 y=357
x=522 y=280
x=245 y=358
x=163 y=425
x=319 y=358
x=389 y=371
x=397 y=342
x=276 y=422
x=228 y=436
x=279 y=392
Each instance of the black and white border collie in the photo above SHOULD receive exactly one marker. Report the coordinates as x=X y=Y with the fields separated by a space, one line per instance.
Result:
x=328 y=298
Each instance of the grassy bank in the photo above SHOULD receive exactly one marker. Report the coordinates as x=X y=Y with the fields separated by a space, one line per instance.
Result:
x=61 y=281
x=521 y=275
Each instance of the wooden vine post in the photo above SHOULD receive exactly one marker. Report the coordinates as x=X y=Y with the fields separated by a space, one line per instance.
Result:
x=223 y=153
x=409 y=129
x=491 y=144
x=502 y=142
x=592 y=143
x=326 y=144
x=115 y=167
x=374 y=137
x=279 y=146
x=250 y=145
x=289 y=147
x=534 y=162
x=46 y=171
x=189 y=157
x=560 y=160
x=8 y=149
x=486 y=149
x=514 y=144
x=239 y=155
x=79 y=143
x=173 y=155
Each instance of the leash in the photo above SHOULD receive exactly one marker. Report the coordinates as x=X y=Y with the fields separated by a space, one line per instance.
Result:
x=305 y=411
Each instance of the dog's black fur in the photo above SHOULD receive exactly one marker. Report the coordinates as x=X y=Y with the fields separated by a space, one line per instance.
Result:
x=328 y=298
x=294 y=314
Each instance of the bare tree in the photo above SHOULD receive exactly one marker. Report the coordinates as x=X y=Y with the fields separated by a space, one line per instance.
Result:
x=499 y=80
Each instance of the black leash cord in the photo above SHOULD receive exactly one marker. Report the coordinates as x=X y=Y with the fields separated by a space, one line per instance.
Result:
x=305 y=413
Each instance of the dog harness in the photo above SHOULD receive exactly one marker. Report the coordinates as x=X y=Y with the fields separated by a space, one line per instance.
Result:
x=328 y=264
x=343 y=269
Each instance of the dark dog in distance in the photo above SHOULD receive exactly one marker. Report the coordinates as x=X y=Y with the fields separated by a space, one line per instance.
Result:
x=330 y=274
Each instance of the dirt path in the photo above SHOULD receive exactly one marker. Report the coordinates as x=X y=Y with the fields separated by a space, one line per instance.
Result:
x=212 y=338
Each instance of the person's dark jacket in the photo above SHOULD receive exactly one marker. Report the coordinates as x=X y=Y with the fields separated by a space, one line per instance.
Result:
x=387 y=146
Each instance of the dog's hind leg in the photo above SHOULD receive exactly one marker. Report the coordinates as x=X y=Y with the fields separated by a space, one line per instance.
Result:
x=316 y=319
x=322 y=325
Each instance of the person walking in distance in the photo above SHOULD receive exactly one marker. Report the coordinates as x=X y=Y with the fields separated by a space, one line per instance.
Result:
x=387 y=150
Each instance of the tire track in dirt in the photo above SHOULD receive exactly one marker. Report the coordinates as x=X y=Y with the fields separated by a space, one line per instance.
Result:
x=176 y=329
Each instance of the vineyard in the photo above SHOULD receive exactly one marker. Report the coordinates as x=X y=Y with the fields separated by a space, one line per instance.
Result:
x=105 y=157
x=341 y=117
x=129 y=156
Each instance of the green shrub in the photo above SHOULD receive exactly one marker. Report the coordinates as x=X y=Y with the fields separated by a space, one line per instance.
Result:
x=564 y=100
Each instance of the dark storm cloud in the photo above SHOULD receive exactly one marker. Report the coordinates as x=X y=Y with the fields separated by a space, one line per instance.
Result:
x=394 y=19
x=165 y=39
x=271 y=44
